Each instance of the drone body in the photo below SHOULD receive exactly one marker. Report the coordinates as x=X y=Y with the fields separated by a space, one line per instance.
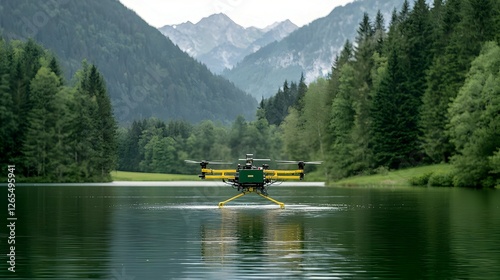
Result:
x=250 y=178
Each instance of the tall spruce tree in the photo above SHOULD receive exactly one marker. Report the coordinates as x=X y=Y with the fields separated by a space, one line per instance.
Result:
x=84 y=136
x=379 y=32
x=393 y=139
x=39 y=147
x=363 y=65
x=301 y=92
x=106 y=124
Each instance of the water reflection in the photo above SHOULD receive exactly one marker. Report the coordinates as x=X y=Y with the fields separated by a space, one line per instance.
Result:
x=61 y=233
x=252 y=238
x=179 y=233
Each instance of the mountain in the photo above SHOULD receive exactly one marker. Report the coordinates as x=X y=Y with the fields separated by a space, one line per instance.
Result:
x=310 y=49
x=146 y=74
x=220 y=43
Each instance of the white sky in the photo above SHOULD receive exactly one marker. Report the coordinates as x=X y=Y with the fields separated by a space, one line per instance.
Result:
x=258 y=13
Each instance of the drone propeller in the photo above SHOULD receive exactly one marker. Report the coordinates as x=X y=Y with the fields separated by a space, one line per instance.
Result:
x=206 y=162
x=297 y=162
x=256 y=159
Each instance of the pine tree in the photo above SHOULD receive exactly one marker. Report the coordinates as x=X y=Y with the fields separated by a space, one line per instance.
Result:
x=379 y=32
x=301 y=92
x=54 y=67
x=39 y=146
x=130 y=156
x=393 y=136
x=84 y=136
x=8 y=119
x=106 y=124
x=363 y=64
x=346 y=55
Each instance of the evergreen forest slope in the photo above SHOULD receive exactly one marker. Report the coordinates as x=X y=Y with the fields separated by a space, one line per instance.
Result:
x=310 y=49
x=146 y=74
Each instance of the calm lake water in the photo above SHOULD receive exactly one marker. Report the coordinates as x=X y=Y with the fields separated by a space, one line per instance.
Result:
x=89 y=232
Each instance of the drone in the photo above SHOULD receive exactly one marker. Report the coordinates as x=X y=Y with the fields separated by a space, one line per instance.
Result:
x=248 y=178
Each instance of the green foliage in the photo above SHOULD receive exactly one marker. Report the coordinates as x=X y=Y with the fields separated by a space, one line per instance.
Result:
x=152 y=145
x=39 y=147
x=262 y=72
x=421 y=179
x=8 y=117
x=393 y=128
x=53 y=132
x=474 y=120
x=388 y=97
x=276 y=107
x=304 y=130
x=439 y=179
x=494 y=162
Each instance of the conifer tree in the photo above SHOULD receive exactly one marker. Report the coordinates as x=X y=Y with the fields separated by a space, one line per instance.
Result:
x=39 y=146
x=342 y=123
x=8 y=119
x=301 y=92
x=392 y=141
x=379 y=32
x=106 y=124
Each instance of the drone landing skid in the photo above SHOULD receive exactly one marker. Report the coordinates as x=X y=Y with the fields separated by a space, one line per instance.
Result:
x=251 y=190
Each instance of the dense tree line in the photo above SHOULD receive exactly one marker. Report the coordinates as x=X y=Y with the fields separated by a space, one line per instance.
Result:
x=152 y=145
x=424 y=91
x=50 y=130
x=276 y=107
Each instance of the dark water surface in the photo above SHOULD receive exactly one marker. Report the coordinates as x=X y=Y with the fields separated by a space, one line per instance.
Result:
x=91 y=232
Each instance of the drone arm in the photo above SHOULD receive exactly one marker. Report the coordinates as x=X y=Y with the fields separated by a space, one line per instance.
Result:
x=284 y=174
x=283 y=177
x=227 y=174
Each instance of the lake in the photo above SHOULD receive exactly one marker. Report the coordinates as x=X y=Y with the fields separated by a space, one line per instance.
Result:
x=131 y=232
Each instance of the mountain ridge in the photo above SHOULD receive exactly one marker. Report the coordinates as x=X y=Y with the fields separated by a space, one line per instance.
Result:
x=309 y=50
x=220 y=43
x=146 y=74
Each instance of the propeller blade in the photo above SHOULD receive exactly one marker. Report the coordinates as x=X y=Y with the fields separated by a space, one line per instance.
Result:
x=219 y=162
x=297 y=162
x=313 y=162
x=256 y=159
x=205 y=161
x=287 y=162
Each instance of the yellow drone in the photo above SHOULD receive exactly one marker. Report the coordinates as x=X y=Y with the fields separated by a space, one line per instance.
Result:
x=250 y=178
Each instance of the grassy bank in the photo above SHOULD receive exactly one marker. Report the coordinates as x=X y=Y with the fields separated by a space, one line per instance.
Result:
x=396 y=178
x=140 y=176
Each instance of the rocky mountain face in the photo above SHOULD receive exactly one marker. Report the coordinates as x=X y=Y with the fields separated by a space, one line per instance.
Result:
x=220 y=43
x=310 y=49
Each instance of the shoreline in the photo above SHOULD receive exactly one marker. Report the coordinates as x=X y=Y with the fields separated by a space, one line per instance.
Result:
x=165 y=184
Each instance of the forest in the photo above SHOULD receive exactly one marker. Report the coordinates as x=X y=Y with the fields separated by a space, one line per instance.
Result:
x=51 y=131
x=424 y=90
x=146 y=74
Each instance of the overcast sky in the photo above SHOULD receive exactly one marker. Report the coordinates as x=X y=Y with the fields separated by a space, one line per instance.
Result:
x=258 y=13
